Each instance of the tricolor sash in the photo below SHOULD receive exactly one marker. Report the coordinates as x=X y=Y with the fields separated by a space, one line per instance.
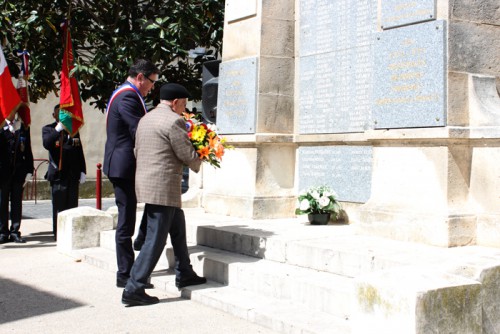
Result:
x=125 y=87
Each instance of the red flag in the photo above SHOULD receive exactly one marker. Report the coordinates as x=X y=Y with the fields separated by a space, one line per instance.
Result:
x=22 y=87
x=10 y=101
x=70 y=114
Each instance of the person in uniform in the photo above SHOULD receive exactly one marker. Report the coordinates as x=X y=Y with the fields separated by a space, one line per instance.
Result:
x=17 y=169
x=67 y=169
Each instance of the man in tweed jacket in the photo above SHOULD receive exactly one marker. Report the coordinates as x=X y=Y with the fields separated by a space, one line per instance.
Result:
x=162 y=147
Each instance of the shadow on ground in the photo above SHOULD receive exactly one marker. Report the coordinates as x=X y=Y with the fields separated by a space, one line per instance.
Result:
x=19 y=301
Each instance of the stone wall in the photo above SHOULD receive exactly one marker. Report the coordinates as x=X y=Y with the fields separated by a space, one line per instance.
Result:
x=393 y=103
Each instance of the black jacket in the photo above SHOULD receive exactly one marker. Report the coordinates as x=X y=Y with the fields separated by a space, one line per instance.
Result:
x=73 y=159
x=16 y=157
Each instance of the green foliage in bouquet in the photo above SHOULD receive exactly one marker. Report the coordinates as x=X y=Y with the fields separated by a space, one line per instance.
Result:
x=320 y=199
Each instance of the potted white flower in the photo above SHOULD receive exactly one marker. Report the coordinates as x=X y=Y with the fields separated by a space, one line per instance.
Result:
x=319 y=203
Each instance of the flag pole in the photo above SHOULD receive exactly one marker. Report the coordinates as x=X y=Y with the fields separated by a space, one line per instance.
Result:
x=61 y=138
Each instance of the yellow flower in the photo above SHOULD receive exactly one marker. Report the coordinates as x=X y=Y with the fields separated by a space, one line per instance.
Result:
x=198 y=133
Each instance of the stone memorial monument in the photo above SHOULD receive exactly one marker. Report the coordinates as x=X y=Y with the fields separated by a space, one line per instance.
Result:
x=395 y=105
x=398 y=97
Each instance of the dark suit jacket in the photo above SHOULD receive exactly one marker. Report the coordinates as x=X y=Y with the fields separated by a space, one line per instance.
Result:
x=17 y=157
x=73 y=159
x=122 y=119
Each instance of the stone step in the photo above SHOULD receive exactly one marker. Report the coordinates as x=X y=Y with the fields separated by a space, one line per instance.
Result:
x=315 y=290
x=332 y=248
x=383 y=285
x=280 y=315
x=335 y=249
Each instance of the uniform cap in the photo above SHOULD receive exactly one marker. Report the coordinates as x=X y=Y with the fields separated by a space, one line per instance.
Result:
x=172 y=91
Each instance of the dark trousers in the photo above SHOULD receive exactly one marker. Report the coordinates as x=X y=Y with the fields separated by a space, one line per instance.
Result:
x=126 y=201
x=12 y=191
x=162 y=220
x=64 y=197
x=141 y=234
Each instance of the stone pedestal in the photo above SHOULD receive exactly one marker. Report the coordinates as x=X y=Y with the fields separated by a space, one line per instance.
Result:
x=420 y=194
x=254 y=182
x=80 y=228
x=255 y=110
x=417 y=301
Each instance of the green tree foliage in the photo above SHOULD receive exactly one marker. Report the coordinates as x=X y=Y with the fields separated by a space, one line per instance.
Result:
x=107 y=37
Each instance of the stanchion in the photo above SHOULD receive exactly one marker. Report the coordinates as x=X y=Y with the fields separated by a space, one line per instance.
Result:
x=98 y=184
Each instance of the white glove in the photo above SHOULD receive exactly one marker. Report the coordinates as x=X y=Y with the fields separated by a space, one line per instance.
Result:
x=29 y=176
x=17 y=125
x=82 y=177
x=59 y=127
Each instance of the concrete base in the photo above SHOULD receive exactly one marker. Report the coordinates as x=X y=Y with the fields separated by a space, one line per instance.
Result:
x=416 y=300
x=256 y=207
x=488 y=230
x=113 y=212
x=80 y=228
x=428 y=228
x=276 y=270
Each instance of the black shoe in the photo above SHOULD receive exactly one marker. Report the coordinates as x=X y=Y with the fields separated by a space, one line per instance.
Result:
x=4 y=238
x=17 y=238
x=138 y=244
x=138 y=298
x=191 y=280
x=120 y=283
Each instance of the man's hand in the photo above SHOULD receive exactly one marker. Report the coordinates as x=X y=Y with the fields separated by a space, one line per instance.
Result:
x=83 y=177
x=29 y=176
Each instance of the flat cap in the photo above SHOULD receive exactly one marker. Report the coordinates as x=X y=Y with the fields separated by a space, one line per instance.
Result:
x=172 y=91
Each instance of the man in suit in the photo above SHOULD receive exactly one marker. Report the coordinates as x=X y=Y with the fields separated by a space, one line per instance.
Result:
x=66 y=166
x=162 y=147
x=125 y=108
x=17 y=169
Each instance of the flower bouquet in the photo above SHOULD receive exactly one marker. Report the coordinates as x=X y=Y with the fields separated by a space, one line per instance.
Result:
x=318 y=200
x=205 y=139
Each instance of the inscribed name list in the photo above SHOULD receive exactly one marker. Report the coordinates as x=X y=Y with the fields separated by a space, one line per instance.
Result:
x=410 y=72
x=237 y=96
x=402 y=12
x=346 y=169
x=335 y=65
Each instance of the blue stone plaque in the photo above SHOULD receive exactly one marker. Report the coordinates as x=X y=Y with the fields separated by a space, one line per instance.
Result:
x=410 y=76
x=346 y=169
x=336 y=65
x=237 y=96
x=403 y=12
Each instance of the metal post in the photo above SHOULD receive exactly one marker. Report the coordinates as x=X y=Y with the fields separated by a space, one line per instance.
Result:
x=98 y=184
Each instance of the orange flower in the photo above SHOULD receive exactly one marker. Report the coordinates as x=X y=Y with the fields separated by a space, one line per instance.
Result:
x=213 y=141
x=219 y=151
x=203 y=152
x=188 y=116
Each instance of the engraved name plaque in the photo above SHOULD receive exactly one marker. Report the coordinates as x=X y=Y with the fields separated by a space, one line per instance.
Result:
x=237 y=96
x=402 y=12
x=346 y=169
x=410 y=72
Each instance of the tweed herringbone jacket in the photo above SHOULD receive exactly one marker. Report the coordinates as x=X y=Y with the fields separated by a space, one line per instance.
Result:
x=162 y=147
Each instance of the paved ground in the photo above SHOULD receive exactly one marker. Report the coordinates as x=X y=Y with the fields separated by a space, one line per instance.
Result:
x=43 y=208
x=43 y=291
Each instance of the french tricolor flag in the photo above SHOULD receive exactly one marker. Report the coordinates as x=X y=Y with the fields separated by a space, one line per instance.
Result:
x=10 y=101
